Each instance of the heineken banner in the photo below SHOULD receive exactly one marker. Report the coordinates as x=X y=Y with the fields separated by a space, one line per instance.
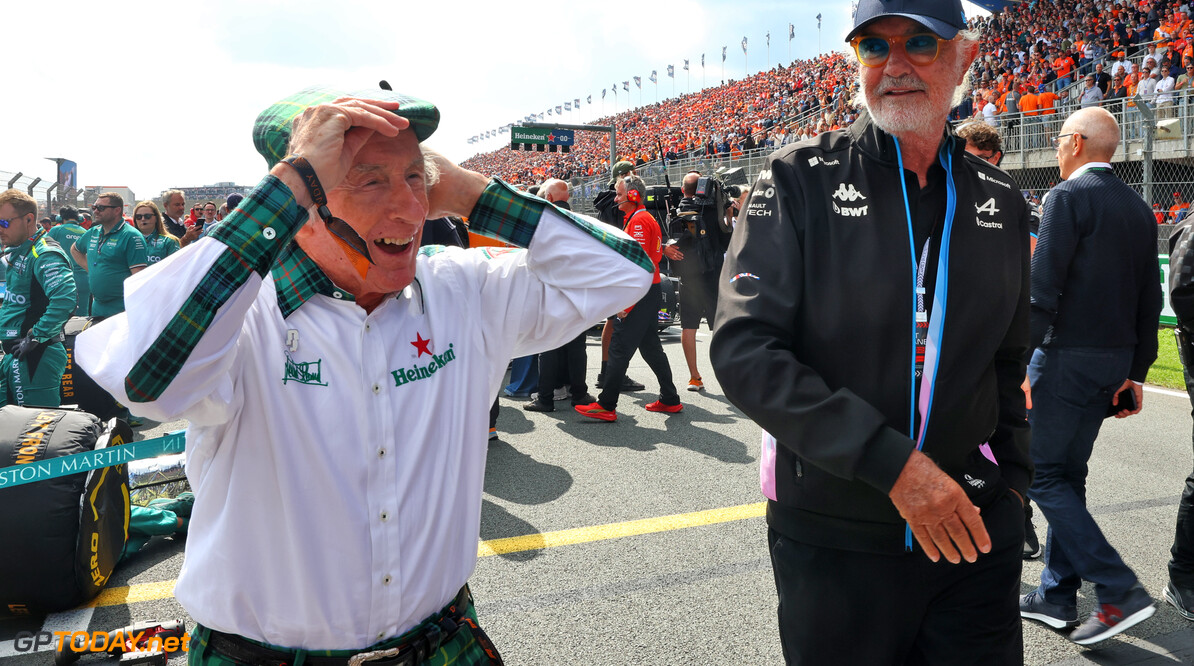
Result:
x=541 y=139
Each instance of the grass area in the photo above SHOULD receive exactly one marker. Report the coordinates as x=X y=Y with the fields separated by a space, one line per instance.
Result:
x=1167 y=371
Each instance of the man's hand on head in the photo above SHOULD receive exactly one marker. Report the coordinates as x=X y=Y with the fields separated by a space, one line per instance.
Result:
x=330 y=135
x=942 y=518
x=457 y=190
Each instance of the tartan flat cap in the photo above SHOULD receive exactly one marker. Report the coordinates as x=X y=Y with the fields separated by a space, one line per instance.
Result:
x=271 y=130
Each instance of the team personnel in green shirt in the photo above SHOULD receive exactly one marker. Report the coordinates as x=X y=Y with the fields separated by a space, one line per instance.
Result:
x=110 y=251
x=159 y=243
x=41 y=297
x=66 y=233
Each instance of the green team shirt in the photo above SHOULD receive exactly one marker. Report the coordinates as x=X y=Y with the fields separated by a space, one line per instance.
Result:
x=158 y=247
x=66 y=234
x=110 y=259
x=41 y=290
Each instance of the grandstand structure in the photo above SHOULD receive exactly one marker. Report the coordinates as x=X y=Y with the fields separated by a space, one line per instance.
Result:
x=721 y=127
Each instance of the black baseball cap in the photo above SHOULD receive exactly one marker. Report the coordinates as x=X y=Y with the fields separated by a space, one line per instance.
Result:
x=943 y=17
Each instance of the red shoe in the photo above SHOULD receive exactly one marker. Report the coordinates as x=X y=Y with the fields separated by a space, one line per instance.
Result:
x=596 y=411
x=658 y=406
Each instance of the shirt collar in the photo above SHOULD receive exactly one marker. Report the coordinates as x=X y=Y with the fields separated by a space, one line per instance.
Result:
x=297 y=279
x=1087 y=167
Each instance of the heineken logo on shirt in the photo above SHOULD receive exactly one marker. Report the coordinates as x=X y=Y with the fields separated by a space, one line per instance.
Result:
x=310 y=372
x=423 y=371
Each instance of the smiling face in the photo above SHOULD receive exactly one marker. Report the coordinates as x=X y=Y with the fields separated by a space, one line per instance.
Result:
x=384 y=199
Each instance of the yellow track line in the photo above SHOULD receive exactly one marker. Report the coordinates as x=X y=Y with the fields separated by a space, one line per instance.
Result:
x=120 y=596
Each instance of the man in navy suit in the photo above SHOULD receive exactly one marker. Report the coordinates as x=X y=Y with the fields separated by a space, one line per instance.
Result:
x=1096 y=299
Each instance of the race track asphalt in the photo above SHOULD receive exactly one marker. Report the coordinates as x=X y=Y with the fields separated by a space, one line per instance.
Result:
x=642 y=541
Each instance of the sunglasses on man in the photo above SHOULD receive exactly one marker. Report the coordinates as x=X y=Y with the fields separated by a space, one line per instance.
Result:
x=4 y=223
x=922 y=48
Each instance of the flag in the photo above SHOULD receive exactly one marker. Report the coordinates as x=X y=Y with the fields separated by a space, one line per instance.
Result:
x=686 y=64
x=549 y=112
x=744 y=45
x=792 y=30
x=559 y=110
x=626 y=86
x=602 y=94
x=638 y=81
x=702 y=60
x=671 y=71
x=723 y=54
x=768 y=39
x=540 y=116
x=614 y=88
x=567 y=106
x=591 y=98
x=576 y=103
x=654 y=77
x=818 y=21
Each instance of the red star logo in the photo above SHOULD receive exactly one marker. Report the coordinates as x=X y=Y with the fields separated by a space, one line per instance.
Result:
x=551 y=137
x=422 y=345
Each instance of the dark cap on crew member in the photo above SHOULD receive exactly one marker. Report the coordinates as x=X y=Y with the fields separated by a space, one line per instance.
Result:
x=943 y=17
x=621 y=169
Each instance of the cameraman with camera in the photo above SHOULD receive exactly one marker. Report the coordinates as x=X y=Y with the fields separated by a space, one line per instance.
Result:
x=700 y=236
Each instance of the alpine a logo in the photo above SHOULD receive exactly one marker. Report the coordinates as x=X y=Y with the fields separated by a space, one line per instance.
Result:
x=846 y=192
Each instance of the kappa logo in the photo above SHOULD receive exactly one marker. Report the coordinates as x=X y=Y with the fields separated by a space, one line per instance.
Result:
x=846 y=192
x=977 y=483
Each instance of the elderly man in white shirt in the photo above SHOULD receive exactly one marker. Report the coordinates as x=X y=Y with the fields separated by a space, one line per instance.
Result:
x=337 y=380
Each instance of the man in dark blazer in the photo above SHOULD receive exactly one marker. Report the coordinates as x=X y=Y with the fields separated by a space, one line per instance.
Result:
x=1096 y=299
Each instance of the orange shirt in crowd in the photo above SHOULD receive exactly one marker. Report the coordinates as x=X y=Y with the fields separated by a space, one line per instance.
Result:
x=1029 y=103
x=1045 y=102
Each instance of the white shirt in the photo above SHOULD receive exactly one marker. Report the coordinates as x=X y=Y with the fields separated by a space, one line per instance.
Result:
x=1165 y=90
x=338 y=456
x=1147 y=87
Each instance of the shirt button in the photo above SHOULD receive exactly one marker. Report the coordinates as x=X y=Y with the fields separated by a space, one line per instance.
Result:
x=368 y=327
x=381 y=453
x=269 y=233
x=385 y=515
x=376 y=388
x=386 y=579
x=381 y=635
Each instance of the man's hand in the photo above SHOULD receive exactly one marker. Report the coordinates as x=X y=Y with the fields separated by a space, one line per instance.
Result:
x=190 y=236
x=25 y=346
x=672 y=252
x=456 y=192
x=1137 y=390
x=330 y=136
x=940 y=514
x=1027 y=388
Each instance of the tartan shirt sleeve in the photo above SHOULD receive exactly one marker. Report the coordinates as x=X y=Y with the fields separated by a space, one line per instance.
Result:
x=575 y=272
x=178 y=336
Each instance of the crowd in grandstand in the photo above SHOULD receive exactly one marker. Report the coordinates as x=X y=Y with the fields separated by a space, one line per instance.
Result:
x=1035 y=49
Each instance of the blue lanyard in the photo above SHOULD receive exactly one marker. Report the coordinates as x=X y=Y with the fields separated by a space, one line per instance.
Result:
x=940 y=299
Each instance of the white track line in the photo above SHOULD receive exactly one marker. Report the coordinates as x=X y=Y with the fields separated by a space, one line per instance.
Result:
x=1162 y=391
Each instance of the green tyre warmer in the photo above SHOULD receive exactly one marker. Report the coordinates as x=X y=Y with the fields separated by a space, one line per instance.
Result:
x=62 y=536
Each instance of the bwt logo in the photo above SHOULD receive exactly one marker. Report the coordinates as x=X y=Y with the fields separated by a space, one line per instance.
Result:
x=846 y=192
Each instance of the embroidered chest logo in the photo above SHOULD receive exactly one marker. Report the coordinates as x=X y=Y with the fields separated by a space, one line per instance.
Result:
x=846 y=192
x=308 y=372
x=423 y=369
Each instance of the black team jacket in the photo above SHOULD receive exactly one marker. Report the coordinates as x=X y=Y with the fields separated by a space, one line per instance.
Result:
x=813 y=338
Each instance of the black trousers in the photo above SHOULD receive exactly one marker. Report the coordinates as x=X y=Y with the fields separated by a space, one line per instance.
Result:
x=845 y=607
x=638 y=332
x=571 y=356
x=1181 y=566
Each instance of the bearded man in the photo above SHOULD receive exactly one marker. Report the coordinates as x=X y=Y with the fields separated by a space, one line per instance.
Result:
x=873 y=320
